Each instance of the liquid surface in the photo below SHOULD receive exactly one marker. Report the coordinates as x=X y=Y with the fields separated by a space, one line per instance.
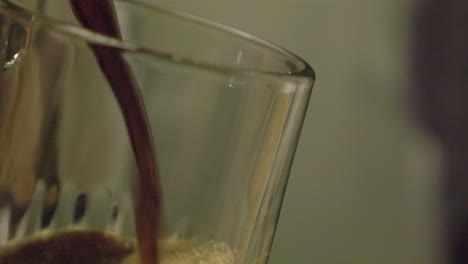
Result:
x=78 y=246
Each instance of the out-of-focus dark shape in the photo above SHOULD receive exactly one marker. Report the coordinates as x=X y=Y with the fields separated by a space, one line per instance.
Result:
x=440 y=96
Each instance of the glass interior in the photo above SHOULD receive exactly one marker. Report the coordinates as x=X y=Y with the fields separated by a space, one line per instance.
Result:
x=225 y=134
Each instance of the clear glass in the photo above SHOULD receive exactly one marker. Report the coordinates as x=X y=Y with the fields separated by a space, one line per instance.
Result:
x=226 y=111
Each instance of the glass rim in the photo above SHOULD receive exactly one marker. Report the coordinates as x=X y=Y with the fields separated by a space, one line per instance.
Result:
x=89 y=36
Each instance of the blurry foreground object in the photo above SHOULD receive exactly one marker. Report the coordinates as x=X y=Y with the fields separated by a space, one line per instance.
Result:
x=440 y=96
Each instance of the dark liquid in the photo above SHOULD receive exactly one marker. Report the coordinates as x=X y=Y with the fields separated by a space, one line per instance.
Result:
x=71 y=247
x=99 y=16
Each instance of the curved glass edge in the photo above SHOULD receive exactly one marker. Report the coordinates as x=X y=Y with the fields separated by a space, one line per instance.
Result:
x=98 y=39
x=306 y=71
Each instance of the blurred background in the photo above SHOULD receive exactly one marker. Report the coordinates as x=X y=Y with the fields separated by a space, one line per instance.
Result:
x=365 y=178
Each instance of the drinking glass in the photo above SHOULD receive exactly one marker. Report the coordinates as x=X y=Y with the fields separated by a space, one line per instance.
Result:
x=225 y=108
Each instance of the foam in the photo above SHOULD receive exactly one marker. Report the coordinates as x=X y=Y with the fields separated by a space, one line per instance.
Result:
x=189 y=252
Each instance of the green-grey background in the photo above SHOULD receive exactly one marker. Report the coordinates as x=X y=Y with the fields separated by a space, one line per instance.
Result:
x=363 y=182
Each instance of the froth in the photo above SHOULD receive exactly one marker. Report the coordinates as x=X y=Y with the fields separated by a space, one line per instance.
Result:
x=207 y=253
x=185 y=252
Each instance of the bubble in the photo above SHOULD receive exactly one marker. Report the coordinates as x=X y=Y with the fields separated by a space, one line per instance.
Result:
x=205 y=253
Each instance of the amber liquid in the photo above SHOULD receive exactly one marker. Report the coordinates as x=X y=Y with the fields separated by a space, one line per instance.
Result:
x=75 y=246
x=99 y=16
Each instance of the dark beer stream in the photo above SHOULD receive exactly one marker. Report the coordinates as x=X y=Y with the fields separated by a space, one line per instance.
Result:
x=99 y=16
